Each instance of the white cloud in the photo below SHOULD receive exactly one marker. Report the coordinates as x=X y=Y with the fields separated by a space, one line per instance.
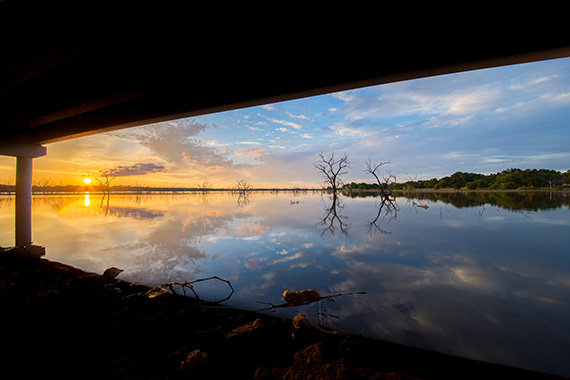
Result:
x=176 y=144
x=533 y=82
x=344 y=96
x=286 y=122
x=473 y=101
x=301 y=117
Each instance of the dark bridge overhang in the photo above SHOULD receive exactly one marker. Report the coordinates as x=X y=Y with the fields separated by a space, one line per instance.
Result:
x=89 y=77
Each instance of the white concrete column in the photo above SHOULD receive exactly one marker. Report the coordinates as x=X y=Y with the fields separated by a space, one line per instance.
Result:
x=25 y=154
x=24 y=168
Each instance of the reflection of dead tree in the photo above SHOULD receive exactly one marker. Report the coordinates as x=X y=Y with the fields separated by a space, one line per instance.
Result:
x=188 y=285
x=333 y=217
x=390 y=208
x=104 y=204
x=243 y=199
x=480 y=212
x=332 y=169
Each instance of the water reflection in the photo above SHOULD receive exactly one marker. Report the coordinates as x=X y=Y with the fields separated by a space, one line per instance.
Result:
x=481 y=275
x=333 y=220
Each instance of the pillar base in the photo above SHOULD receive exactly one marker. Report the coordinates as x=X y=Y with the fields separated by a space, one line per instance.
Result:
x=35 y=250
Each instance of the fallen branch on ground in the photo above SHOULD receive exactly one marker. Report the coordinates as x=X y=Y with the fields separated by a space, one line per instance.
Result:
x=189 y=285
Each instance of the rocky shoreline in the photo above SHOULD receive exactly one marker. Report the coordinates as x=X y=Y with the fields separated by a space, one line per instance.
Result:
x=59 y=320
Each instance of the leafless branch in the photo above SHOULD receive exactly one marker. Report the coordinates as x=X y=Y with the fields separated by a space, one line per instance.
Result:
x=332 y=169
x=105 y=185
x=385 y=183
x=205 y=186
x=189 y=285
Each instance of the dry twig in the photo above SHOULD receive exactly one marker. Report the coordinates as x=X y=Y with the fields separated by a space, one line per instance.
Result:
x=189 y=285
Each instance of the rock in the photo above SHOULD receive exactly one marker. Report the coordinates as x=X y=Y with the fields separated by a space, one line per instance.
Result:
x=302 y=322
x=111 y=273
x=312 y=363
x=158 y=293
x=301 y=296
x=246 y=331
x=196 y=361
x=304 y=328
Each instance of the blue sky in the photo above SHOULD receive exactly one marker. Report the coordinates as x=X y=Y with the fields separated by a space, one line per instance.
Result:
x=482 y=121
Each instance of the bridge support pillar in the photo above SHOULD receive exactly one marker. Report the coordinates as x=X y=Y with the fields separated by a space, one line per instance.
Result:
x=25 y=154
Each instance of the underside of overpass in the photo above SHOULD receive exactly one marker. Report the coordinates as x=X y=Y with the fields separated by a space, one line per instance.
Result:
x=76 y=75
x=73 y=75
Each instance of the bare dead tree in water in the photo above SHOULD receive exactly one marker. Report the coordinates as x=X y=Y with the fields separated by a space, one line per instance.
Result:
x=242 y=186
x=387 y=183
x=332 y=169
x=106 y=189
x=105 y=185
x=411 y=187
x=205 y=186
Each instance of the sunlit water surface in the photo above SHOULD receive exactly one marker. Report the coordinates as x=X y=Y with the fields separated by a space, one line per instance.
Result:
x=484 y=276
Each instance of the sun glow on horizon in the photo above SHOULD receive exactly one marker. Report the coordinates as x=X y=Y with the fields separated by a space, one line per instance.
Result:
x=87 y=181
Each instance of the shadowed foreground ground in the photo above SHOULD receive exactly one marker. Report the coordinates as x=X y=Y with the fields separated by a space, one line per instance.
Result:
x=63 y=322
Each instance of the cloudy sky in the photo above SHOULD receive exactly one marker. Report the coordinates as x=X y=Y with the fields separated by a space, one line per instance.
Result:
x=482 y=121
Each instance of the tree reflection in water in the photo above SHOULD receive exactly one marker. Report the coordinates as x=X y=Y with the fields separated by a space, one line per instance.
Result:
x=390 y=208
x=333 y=220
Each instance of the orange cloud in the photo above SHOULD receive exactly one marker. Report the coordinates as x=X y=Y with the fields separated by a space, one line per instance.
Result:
x=255 y=151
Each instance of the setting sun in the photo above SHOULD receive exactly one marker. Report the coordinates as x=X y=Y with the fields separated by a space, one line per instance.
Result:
x=87 y=181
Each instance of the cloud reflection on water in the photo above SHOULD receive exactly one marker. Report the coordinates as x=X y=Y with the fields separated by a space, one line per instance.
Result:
x=490 y=286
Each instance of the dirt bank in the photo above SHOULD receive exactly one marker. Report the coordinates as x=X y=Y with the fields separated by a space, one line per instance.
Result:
x=61 y=321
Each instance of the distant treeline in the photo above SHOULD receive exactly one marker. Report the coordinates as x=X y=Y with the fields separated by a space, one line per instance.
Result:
x=510 y=179
x=62 y=189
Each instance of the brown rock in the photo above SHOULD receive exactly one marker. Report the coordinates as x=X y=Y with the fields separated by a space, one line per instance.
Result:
x=301 y=296
x=312 y=364
x=245 y=331
x=111 y=273
x=196 y=361
x=302 y=322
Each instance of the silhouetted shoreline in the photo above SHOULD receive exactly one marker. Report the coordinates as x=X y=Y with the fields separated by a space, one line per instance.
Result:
x=63 y=321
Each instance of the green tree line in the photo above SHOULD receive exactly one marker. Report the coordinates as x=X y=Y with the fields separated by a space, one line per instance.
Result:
x=510 y=179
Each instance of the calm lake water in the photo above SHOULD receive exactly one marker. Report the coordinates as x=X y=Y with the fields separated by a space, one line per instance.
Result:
x=480 y=275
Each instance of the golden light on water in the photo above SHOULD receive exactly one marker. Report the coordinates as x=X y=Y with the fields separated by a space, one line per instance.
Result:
x=87 y=201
